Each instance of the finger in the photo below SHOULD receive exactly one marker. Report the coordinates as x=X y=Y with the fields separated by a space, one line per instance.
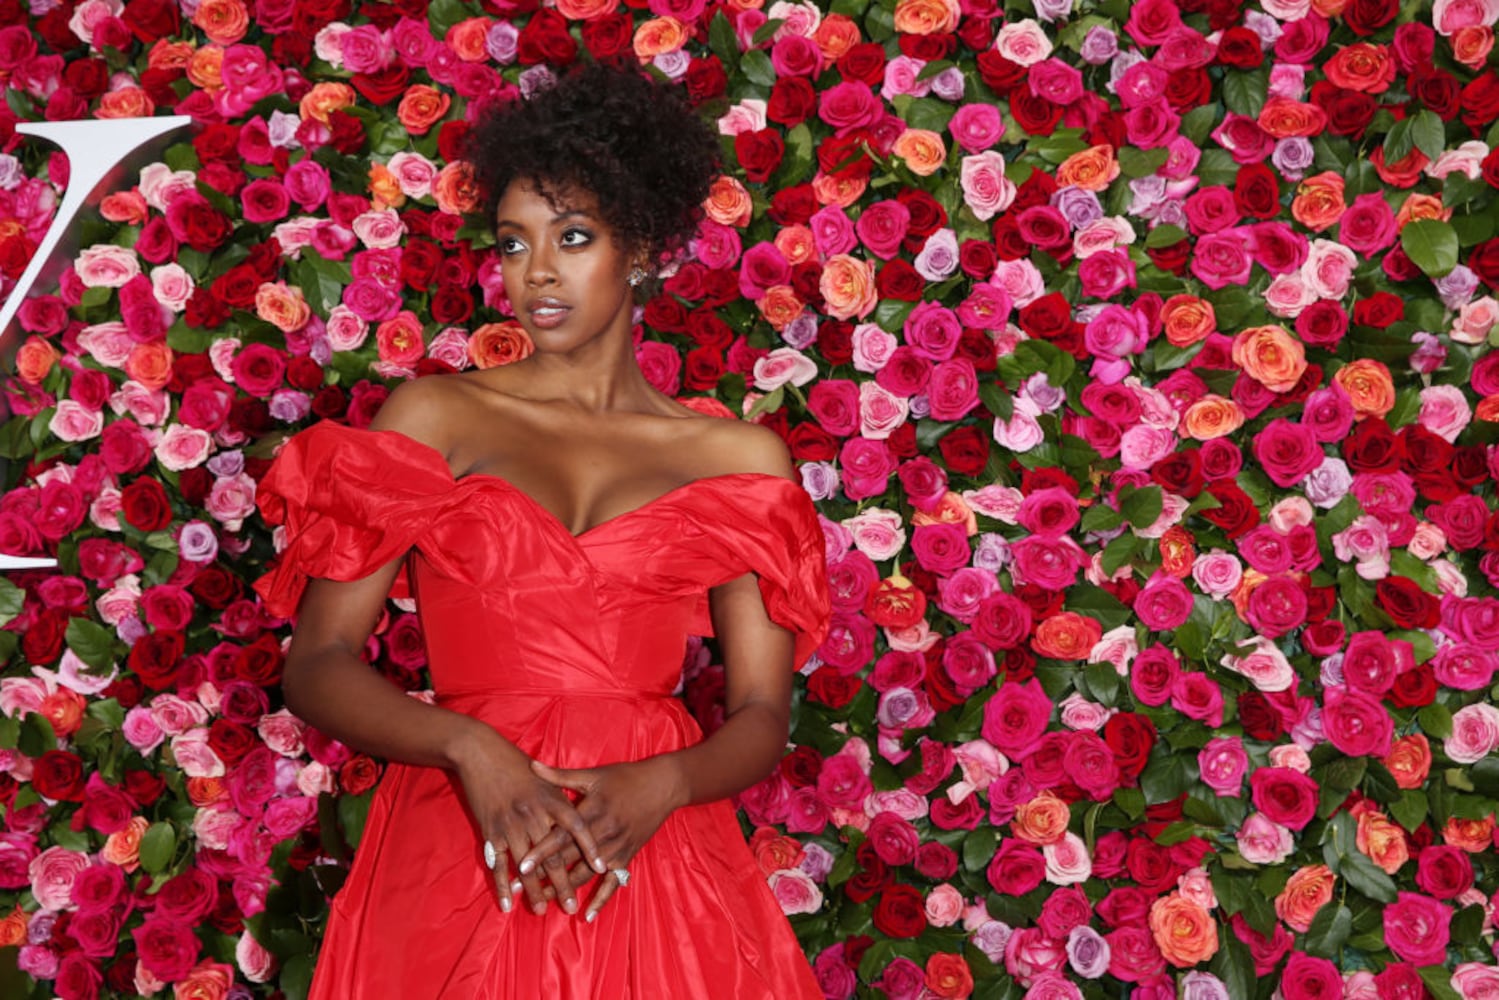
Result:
x=581 y=830
x=555 y=870
x=520 y=843
x=552 y=843
x=607 y=885
x=577 y=871
x=578 y=779
x=501 y=872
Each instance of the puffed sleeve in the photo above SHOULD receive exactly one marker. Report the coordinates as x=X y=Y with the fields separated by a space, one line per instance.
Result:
x=772 y=530
x=351 y=501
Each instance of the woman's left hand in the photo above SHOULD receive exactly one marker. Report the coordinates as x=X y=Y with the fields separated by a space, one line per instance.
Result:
x=623 y=805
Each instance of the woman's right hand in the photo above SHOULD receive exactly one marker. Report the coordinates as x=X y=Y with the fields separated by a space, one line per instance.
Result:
x=515 y=810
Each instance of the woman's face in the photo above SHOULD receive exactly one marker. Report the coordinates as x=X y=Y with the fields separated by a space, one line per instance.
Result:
x=564 y=270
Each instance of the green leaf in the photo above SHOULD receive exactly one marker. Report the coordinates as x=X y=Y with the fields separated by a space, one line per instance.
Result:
x=296 y=977
x=756 y=67
x=1435 y=720
x=1131 y=801
x=1428 y=134
x=1438 y=980
x=1244 y=92
x=767 y=31
x=1431 y=245
x=1398 y=141
x=1165 y=235
x=12 y=600
x=1103 y=681
x=36 y=736
x=1165 y=777
x=1367 y=877
x=1198 y=123
x=1120 y=551
x=1135 y=162
x=1098 y=604
x=90 y=642
x=979 y=847
x=1329 y=930
x=1234 y=965
x=157 y=845
x=1143 y=506
x=352 y=812
x=997 y=400
x=723 y=42
x=768 y=403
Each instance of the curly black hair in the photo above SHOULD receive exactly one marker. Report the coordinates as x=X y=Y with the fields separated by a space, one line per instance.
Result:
x=617 y=133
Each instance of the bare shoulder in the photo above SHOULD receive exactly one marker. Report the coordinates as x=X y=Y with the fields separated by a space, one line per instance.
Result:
x=422 y=409
x=739 y=446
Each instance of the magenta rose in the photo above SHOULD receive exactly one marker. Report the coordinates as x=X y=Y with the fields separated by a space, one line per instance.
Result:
x=1416 y=928
x=1052 y=563
x=1164 y=603
x=1308 y=978
x=1016 y=716
x=167 y=949
x=953 y=389
x=1277 y=606
x=834 y=404
x=1016 y=868
x=1356 y=723
x=1285 y=796
x=1288 y=451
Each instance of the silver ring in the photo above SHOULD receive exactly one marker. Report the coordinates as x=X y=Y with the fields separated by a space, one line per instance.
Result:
x=621 y=875
x=491 y=857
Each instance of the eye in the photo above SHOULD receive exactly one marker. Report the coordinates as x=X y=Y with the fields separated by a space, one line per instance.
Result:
x=509 y=245
x=576 y=237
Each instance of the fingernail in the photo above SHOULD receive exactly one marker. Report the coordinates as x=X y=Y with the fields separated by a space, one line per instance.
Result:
x=505 y=905
x=539 y=909
x=599 y=866
x=571 y=906
x=591 y=914
x=516 y=886
x=526 y=866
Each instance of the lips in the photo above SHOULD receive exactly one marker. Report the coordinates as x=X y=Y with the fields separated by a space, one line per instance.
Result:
x=548 y=312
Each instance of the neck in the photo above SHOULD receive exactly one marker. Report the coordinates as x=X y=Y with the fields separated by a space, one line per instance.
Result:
x=599 y=376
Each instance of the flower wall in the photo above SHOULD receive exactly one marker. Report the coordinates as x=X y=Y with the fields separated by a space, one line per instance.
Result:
x=1137 y=355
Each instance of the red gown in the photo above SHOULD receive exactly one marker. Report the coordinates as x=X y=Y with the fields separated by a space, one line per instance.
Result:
x=570 y=647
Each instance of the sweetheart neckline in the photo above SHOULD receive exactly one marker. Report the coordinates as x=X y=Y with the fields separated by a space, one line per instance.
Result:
x=536 y=505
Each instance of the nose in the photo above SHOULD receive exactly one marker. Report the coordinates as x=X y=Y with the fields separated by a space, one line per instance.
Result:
x=540 y=269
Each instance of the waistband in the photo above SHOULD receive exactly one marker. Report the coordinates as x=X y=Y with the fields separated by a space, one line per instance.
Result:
x=617 y=694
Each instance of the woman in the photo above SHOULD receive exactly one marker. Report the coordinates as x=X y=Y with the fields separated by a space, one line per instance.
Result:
x=555 y=825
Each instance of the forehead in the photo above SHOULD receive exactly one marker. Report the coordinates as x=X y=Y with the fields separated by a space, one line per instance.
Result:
x=525 y=200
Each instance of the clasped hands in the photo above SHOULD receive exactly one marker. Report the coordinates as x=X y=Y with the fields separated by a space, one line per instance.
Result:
x=555 y=845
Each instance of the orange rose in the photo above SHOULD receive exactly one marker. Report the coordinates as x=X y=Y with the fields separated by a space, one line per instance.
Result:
x=922 y=150
x=1410 y=760
x=840 y=189
x=951 y=509
x=496 y=344
x=948 y=976
x=324 y=99
x=1369 y=387
x=1251 y=580
x=1270 y=356
x=1330 y=8
x=1210 y=417
x=774 y=851
x=64 y=709
x=1367 y=68
x=385 y=189
x=205 y=68
x=123 y=846
x=1319 y=202
x=926 y=17
x=13 y=928
x=455 y=189
x=1382 y=841
x=847 y=287
x=1177 y=551
x=1066 y=636
x=34 y=359
x=835 y=35
x=422 y=107
x=171 y=55
x=1306 y=891
x=659 y=36
x=728 y=203
x=208 y=980
x=1471 y=45
x=780 y=305
x=1283 y=117
x=223 y=21
x=1184 y=931
x=1094 y=169
x=125 y=206
x=150 y=364
x=466 y=39
x=1043 y=820
x=584 y=10
x=1422 y=206
x=1487 y=409
x=1187 y=319
x=282 y=306
x=1472 y=835
x=796 y=244
x=205 y=791
x=127 y=102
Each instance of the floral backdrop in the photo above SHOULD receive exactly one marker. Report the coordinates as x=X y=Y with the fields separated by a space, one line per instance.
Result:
x=1136 y=354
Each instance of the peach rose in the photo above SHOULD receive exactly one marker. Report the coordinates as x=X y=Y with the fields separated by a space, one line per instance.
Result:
x=797 y=244
x=496 y=344
x=127 y=102
x=840 y=189
x=1382 y=841
x=324 y=99
x=1421 y=206
x=1409 y=760
x=204 y=68
x=926 y=17
x=150 y=364
x=1187 y=320
x=1066 y=636
x=223 y=21
x=1472 y=835
x=1306 y=892
x=1319 y=204
x=922 y=150
x=1178 y=552
x=1183 y=930
x=944 y=906
x=34 y=359
x=1212 y=416
x=466 y=39
x=455 y=188
x=172 y=55
x=847 y=287
x=123 y=846
x=399 y=339
x=203 y=790
x=951 y=509
x=13 y=928
x=1270 y=356
x=728 y=202
x=385 y=189
x=1369 y=386
x=1094 y=169
x=835 y=35
x=1471 y=45
x=780 y=305
x=208 y=980
x=282 y=306
x=1042 y=820
x=659 y=36
x=774 y=851
x=422 y=107
x=584 y=10
x=125 y=206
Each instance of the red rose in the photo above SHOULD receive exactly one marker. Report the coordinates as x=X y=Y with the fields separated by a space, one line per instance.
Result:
x=143 y=787
x=1237 y=513
x=608 y=37
x=58 y=775
x=965 y=450
x=1150 y=865
x=899 y=280
x=1172 y=259
x=793 y=206
x=1001 y=75
x=1258 y=717
x=260 y=662
x=1257 y=191
x=231 y=741
x=358 y=774
x=155 y=657
x=792 y=99
x=545 y=39
x=1480 y=100
x=1414 y=688
x=759 y=152
x=705 y=77
x=197 y=223
x=927 y=48
x=1406 y=603
x=1239 y=47
x=1372 y=447
x=1188 y=88
x=927 y=216
x=1436 y=90
x=41 y=642
x=863 y=63
x=1034 y=114
x=901 y=912
x=828 y=687
x=1130 y=736
x=1364 y=17
x=1379 y=310
x=801 y=767
x=1349 y=112
x=145 y=505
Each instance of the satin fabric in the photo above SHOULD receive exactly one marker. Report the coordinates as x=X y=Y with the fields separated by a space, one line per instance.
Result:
x=570 y=647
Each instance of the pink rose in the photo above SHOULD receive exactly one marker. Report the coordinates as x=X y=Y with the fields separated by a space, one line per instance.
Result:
x=986 y=189
x=1416 y=928
x=1015 y=717
x=1475 y=733
x=795 y=891
x=1164 y=603
x=1356 y=723
x=1052 y=563
x=52 y=874
x=1223 y=763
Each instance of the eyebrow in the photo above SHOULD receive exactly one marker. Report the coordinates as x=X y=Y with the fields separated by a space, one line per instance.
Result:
x=555 y=219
